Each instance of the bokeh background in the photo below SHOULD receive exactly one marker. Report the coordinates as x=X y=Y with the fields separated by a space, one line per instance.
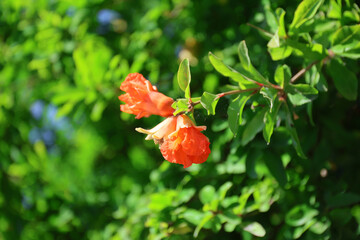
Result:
x=72 y=166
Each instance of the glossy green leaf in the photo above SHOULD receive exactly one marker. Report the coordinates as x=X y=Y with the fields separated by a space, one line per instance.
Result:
x=235 y=110
x=180 y=105
x=270 y=121
x=255 y=125
x=276 y=168
x=270 y=94
x=300 y=94
x=351 y=50
x=282 y=76
x=345 y=81
x=281 y=21
x=309 y=51
x=305 y=11
x=280 y=53
x=184 y=77
x=334 y=10
x=346 y=35
x=227 y=71
x=248 y=71
x=209 y=101
x=255 y=229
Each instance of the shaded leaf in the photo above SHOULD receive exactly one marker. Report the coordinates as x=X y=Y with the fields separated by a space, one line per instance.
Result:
x=253 y=127
x=235 y=110
x=276 y=168
x=299 y=215
x=345 y=81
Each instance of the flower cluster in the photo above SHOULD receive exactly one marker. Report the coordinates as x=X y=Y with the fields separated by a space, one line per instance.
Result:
x=180 y=140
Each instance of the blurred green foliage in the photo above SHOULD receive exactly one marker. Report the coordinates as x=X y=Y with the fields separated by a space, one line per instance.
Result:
x=72 y=166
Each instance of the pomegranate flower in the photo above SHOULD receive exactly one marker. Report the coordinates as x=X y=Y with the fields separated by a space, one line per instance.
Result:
x=143 y=99
x=180 y=140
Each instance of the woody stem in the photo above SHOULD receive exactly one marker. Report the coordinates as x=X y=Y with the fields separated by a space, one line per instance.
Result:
x=307 y=68
x=219 y=95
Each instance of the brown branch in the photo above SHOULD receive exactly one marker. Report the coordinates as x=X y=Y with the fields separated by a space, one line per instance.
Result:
x=269 y=34
x=304 y=70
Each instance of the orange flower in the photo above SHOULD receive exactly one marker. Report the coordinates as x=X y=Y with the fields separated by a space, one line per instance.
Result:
x=180 y=140
x=143 y=99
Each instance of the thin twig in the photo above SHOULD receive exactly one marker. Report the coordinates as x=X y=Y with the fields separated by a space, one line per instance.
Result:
x=304 y=70
x=219 y=95
x=269 y=34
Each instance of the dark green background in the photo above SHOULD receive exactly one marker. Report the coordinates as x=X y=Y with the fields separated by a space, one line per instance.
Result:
x=89 y=175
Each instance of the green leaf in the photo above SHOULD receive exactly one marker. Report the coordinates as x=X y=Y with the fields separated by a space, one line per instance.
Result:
x=255 y=229
x=270 y=120
x=193 y=216
x=274 y=41
x=97 y=110
x=184 y=77
x=343 y=199
x=300 y=215
x=345 y=81
x=227 y=71
x=300 y=230
x=243 y=200
x=209 y=101
x=320 y=227
x=281 y=19
x=305 y=11
x=206 y=218
x=346 y=35
x=280 y=53
x=334 y=10
x=292 y=131
x=309 y=51
x=180 y=105
x=270 y=16
x=251 y=159
x=351 y=50
x=300 y=94
x=253 y=127
x=248 y=70
x=282 y=76
x=223 y=190
x=309 y=112
x=276 y=168
x=207 y=194
x=235 y=110
x=270 y=95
